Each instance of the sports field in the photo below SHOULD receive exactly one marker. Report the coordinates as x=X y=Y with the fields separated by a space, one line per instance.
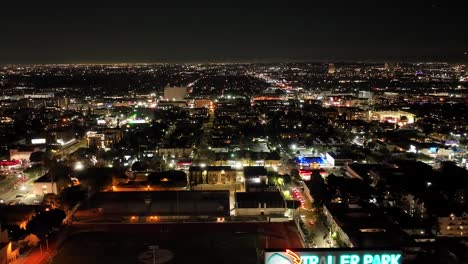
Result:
x=184 y=243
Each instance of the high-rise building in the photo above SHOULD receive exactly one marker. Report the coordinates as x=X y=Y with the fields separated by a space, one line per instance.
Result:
x=331 y=68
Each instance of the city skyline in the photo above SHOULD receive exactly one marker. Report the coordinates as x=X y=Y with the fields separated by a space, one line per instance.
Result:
x=253 y=133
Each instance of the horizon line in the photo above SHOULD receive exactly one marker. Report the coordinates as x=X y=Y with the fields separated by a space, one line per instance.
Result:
x=207 y=62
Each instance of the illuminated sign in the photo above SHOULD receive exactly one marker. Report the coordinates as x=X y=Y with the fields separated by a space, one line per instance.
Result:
x=36 y=141
x=433 y=150
x=333 y=257
x=137 y=121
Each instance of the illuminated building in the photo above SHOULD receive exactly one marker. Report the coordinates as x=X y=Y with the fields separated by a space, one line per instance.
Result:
x=212 y=175
x=63 y=137
x=104 y=139
x=175 y=151
x=338 y=159
x=453 y=226
x=397 y=117
x=8 y=253
x=45 y=185
x=365 y=94
x=10 y=164
x=206 y=103
x=261 y=203
x=162 y=205
x=175 y=93
x=39 y=96
x=331 y=68
x=22 y=152
x=309 y=161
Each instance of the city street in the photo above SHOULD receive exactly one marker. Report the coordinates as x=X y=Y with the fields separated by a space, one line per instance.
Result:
x=318 y=231
x=22 y=194
x=309 y=215
x=83 y=143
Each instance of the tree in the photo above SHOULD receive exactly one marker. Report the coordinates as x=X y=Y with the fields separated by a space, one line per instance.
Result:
x=70 y=196
x=15 y=232
x=334 y=184
x=31 y=240
x=37 y=156
x=60 y=174
x=98 y=178
x=43 y=222
x=318 y=188
x=138 y=166
x=295 y=174
x=272 y=176
x=51 y=200
x=286 y=178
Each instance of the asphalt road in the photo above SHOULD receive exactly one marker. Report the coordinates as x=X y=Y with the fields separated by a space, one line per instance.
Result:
x=22 y=194
x=72 y=148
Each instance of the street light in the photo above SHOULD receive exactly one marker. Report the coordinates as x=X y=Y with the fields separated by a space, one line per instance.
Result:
x=79 y=166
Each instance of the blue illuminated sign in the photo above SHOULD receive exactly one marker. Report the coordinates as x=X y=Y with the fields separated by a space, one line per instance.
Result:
x=309 y=160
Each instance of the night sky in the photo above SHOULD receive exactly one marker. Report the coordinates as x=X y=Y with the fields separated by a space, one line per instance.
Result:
x=209 y=33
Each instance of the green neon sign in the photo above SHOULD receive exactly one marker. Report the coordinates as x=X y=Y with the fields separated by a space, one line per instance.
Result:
x=333 y=257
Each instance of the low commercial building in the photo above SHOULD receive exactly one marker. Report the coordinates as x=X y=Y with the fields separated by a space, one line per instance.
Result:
x=138 y=207
x=22 y=152
x=364 y=227
x=254 y=176
x=212 y=175
x=338 y=159
x=261 y=203
x=175 y=152
x=45 y=185
x=362 y=171
x=10 y=164
x=8 y=252
x=175 y=93
x=202 y=103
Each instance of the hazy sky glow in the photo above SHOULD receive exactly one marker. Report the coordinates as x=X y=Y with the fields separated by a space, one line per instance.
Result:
x=189 y=34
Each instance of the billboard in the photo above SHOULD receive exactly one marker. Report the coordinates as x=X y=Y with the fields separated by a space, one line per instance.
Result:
x=327 y=256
